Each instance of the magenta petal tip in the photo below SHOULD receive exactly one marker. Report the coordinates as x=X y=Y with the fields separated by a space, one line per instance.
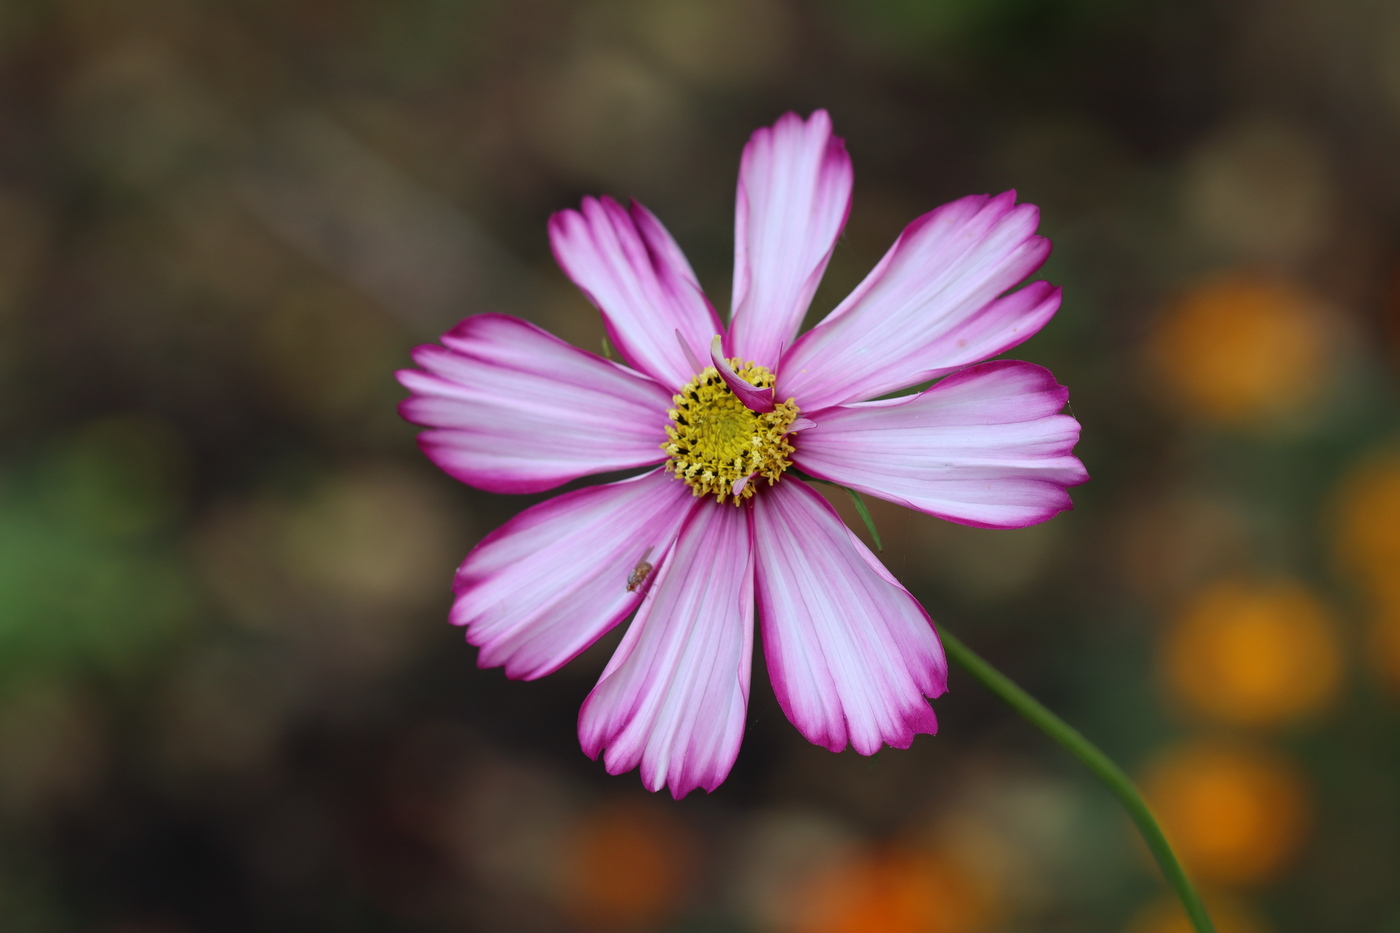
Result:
x=754 y=398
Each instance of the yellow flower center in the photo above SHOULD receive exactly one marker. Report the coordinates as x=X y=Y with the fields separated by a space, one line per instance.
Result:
x=716 y=441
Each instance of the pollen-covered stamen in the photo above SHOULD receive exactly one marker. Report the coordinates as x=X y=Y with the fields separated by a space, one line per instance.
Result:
x=718 y=445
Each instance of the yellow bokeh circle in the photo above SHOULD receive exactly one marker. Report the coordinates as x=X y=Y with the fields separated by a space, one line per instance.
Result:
x=1241 y=348
x=1367 y=526
x=1234 y=814
x=1385 y=643
x=1253 y=654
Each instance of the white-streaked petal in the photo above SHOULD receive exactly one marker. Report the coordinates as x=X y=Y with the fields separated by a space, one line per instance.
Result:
x=633 y=271
x=794 y=194
x=935 y=303
x=674 y=695
x=512 y=408
x=986 y=446
x=852 y=655
x=549 y=582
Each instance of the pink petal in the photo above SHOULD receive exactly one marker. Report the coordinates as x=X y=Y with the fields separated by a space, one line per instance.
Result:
x=633 y=271
x=852 y=655
x=754 y=398
x=674 y=696
x=930 y=307
x=794 y=195
x=985 y=446
x=549 y=582
x=512 y=408
x=691 y=359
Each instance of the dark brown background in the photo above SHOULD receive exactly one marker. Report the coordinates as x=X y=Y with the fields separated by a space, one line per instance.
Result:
x=229 y=698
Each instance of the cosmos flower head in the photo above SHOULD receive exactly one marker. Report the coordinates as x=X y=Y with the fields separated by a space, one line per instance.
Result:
x=722 y=420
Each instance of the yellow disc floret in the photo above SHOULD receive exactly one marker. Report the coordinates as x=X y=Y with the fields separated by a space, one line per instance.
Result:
x=717 y=443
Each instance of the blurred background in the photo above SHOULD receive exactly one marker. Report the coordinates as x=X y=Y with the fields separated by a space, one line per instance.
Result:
x=229 y=696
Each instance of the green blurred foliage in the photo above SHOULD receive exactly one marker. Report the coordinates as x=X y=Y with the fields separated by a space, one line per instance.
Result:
x=89 y=574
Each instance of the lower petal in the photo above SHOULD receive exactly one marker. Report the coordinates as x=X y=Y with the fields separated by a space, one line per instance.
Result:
x=674 y=696
x=549 y=582
x=986 y=446
x=851 y=653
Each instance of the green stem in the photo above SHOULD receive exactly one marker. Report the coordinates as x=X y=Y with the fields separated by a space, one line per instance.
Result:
x=1093 y=759
x=865 y=517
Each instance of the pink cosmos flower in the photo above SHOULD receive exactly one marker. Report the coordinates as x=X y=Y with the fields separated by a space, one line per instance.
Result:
x=724 y=415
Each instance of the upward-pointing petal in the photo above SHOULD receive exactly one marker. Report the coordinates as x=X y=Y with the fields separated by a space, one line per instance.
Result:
x=674 y=695
x=794 y=194
x=934 y=304
x=633 y=271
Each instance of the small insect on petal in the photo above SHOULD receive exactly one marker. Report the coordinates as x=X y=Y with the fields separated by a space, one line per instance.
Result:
x=639 y=573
